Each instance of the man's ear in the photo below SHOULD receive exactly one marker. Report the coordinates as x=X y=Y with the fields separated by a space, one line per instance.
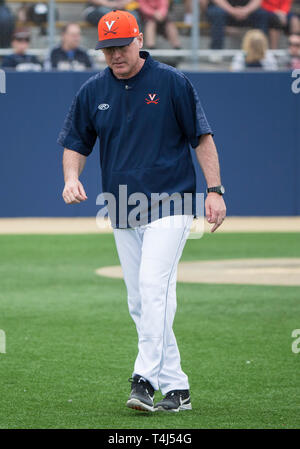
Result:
x=140 y=41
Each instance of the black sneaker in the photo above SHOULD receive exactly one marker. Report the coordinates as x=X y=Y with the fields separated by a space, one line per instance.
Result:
x=174 y=401
x=142 y=394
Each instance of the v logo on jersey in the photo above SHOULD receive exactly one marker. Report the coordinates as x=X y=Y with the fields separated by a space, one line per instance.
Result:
x=109 y=26
x=152 y=99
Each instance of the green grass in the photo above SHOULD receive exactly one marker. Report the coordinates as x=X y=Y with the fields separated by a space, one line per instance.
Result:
x=70 y=337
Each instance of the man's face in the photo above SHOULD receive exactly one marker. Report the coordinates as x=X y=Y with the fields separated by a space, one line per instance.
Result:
x=71 y=37
x=294 y=45
x=124 y=60
x=20 y=45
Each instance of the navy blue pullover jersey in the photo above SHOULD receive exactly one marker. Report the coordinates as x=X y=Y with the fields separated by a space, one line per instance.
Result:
x=145 y=126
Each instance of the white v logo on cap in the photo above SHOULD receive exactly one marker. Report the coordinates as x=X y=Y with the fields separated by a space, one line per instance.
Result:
x=109 y=24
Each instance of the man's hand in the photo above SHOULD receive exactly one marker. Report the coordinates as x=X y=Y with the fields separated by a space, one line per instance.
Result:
x=207 y=156
x=159 y=16
x=74 y=192
x=215 y=209
x=73 y=164
x=282 y=17
x=240 y=13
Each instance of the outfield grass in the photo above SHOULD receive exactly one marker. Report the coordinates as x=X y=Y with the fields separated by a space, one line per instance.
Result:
x=71 y=343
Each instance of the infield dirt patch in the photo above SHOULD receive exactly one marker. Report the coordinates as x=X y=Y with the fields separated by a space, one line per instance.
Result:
x=285 y=271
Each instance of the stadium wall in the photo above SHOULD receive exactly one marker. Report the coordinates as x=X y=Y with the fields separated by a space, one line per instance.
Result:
x=255 y=118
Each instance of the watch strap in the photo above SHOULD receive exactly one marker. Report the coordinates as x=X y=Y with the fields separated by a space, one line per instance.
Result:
x=217 y=189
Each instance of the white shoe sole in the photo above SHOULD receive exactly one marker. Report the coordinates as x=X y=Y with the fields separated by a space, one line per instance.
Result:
x=181 y=407
x=138 y=405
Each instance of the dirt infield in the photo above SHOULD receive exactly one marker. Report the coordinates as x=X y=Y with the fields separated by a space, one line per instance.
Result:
x=88 y=225
x=285 y=271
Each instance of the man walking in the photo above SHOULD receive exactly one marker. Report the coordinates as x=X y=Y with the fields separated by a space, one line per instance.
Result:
x=146 y=115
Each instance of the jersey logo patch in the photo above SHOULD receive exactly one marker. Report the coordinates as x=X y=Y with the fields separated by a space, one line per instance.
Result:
x=103 y=106
x=152 y=99
x=109 y=26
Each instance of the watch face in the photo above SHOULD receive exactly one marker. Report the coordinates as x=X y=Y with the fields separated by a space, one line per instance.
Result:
x=222 y=190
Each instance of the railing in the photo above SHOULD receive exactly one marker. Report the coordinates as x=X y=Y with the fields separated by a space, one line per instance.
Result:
x=52 y=24
x=193 y=53
x=158 y=52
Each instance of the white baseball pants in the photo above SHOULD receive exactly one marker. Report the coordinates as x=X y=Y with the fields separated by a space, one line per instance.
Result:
x=149 y=256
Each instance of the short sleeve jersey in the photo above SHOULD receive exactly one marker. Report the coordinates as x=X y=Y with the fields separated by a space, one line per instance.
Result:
x=145 y=125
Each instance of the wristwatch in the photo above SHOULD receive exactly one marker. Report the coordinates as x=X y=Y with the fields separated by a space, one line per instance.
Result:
x=218 y=189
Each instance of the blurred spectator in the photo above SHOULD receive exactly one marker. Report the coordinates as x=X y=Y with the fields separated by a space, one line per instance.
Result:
x=7 y=25
x=280 y=18
x=97 y=8
x=68 y=55
x=292 y=60
x=188 y=10
x=36 y=13
x=156 y=18
x=255 y=54
x=21 y=60
x=235 y=13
